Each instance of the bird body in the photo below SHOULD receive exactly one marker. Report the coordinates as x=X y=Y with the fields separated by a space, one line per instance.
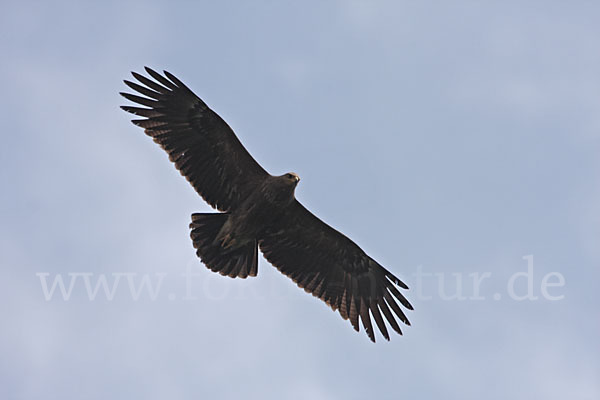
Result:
x=257 y=213
x=260 y=211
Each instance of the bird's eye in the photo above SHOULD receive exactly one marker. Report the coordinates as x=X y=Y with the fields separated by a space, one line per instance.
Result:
x=289 y=176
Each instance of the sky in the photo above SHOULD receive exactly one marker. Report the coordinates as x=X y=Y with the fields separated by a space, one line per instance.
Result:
x=456 y=142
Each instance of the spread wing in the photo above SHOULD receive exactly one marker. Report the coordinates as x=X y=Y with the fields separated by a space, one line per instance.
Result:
x=203 y=147
x=333 y=268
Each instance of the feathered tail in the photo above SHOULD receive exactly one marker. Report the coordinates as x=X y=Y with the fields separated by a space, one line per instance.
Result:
x=239 y=262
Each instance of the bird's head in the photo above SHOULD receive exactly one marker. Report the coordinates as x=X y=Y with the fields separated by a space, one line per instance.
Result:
x=280 y=189
x=292 y=178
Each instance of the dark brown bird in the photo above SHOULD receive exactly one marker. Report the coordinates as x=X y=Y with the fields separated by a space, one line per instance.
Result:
x=259 y=210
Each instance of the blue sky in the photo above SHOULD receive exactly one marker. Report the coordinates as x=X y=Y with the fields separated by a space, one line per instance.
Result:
x=448 y=139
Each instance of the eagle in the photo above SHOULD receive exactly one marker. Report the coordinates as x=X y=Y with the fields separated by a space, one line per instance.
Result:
x=260 y=211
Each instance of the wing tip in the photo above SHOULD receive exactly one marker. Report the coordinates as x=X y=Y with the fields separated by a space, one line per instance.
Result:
x=130 y=84
x=149 y=70
x=137 y=75
x=139 y=122
x=395 y=280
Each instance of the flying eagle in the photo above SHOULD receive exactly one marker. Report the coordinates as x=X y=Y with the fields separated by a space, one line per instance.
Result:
x=259 y=210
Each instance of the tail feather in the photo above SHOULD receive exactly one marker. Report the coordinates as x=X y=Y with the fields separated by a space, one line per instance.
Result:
x=239 y=262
